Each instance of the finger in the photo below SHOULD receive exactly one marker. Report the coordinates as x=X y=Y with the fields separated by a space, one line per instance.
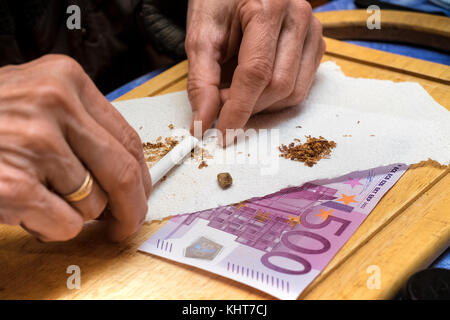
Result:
x=104 y=113
x=116 y=170
x=49 y=217
x=312 y=54
x=224 y=95
x=253 y=72
x=289 y=51
x=203 y=81
x=65 y=174
x=35 y=234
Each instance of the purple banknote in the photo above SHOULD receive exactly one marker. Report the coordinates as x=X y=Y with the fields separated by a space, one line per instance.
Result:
x=281 y=242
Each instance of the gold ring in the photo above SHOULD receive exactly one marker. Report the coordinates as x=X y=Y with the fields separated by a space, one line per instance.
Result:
x=83 y=191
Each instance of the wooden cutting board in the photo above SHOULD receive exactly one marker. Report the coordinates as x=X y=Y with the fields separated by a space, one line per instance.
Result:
x=407 y=230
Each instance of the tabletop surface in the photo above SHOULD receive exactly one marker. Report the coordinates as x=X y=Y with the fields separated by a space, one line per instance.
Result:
x=407 y=230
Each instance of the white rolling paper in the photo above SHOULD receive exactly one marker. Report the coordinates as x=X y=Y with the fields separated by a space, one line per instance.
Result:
x=173 y=158
x=373 y=122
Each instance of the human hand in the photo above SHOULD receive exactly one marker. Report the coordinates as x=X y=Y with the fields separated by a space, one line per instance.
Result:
x=279 y=46
x=54 y=126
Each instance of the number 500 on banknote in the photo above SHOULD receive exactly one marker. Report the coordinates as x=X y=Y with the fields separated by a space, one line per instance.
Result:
x=281 y=242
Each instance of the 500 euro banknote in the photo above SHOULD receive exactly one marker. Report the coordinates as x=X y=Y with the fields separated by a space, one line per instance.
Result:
x=281 y=242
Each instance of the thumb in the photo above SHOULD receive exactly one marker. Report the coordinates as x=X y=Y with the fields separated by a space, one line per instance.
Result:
x=203 y=86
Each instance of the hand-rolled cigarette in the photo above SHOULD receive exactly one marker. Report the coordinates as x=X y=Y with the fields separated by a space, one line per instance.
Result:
x=172 y=158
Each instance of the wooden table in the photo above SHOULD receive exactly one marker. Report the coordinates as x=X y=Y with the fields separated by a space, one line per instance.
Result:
x=407 y=230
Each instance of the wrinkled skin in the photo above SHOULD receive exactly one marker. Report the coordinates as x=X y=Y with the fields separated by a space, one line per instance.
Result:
x=278 y=44
x=54 y=125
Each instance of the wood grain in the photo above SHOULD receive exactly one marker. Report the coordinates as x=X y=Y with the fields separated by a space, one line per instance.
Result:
x=408 y=243
x=395 y=26
x=408 y=228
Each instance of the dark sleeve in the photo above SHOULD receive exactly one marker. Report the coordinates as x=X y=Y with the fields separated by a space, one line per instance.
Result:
x=163 y=23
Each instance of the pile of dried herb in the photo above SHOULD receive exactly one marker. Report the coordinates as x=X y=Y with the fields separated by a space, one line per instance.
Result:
x=309 y=152
x=154 y=152
x=200 y=155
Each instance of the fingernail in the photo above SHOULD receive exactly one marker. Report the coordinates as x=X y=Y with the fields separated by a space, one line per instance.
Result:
x=226 y=138
x=197 y=128
x=220 y=140
x=194 y=118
